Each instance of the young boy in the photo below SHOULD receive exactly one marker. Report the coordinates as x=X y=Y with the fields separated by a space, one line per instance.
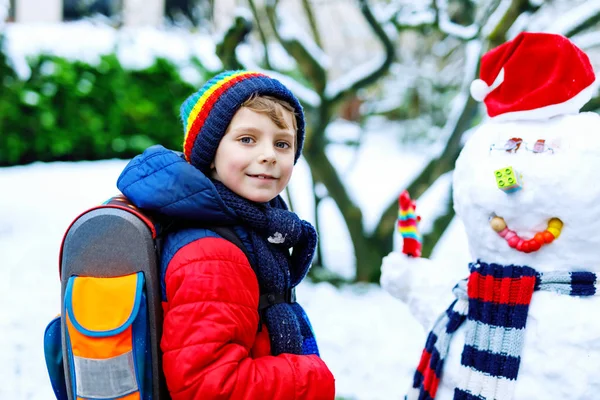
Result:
x=243 y=134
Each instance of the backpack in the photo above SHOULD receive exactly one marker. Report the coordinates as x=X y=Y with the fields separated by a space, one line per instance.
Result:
x=105 y=344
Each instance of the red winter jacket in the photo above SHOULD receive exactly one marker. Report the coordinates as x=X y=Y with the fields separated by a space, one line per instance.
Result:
x=211 y=348
x=211 y=345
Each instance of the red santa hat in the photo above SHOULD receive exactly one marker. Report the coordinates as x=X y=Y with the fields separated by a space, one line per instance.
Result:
x=534 y=76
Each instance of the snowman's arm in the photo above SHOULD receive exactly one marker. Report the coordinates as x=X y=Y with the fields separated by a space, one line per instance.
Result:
x=420 y=283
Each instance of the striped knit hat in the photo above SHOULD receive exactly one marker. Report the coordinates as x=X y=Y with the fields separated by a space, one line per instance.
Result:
x=207 y=113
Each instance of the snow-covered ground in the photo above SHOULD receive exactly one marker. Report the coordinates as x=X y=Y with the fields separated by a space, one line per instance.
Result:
x=369 y=339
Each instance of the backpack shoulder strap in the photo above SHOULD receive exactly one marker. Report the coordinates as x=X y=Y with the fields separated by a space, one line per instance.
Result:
x=266 y=300
x=228 y=233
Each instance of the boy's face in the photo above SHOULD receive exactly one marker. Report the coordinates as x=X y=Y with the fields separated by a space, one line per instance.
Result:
x=255 y=158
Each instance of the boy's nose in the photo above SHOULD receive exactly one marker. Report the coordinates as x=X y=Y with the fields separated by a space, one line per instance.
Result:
x=267 y=159
x=267 y=155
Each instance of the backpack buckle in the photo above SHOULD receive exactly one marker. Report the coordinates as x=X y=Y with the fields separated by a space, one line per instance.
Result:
x=270 y=299
x=290 y=295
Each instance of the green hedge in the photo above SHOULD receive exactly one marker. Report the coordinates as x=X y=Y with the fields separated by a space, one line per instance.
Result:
x=70 y=110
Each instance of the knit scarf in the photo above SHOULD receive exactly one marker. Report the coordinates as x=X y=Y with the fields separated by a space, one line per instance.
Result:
x=273 y=231
x=494 y=302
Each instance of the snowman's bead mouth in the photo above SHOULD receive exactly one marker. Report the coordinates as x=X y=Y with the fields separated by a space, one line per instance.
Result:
x=527 y=246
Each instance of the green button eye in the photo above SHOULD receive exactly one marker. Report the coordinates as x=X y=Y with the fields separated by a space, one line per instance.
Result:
x=498 y=174
x=500 y=183
x=507 y=170
x=511 y=180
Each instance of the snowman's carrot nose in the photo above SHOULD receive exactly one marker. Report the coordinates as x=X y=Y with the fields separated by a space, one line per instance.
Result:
x=508 y=180
x=527 y=246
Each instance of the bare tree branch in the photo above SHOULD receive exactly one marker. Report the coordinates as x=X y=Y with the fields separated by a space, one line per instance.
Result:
x=261 y=32
x=351 y=83
x=450 y=28
x=237 y=32
x=312 y=22
x=416 y=21
x=308 y=63
x=501 y=20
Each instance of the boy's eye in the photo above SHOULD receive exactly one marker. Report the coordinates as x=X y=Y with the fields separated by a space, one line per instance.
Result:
x=283 y=145
x=246 y=140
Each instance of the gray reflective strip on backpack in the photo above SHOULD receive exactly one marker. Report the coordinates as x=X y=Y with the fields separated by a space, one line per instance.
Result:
x=105 y=378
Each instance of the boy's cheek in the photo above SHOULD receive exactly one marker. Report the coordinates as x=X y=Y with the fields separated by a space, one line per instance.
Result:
x=288 y=175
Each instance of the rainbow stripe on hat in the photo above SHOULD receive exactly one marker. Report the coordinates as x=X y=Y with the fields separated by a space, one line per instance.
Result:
x=200 y=105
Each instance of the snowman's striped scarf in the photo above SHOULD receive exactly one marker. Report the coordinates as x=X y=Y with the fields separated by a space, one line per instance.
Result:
x=494 y=302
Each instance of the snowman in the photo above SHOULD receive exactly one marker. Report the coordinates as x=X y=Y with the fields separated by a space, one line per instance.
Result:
x=525 y=323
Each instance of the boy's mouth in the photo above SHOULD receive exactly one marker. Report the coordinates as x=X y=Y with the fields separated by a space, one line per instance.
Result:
x=262 y=176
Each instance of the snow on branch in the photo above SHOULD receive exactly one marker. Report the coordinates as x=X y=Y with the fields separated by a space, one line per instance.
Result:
x=415 y=19
x=289 y=31
x=4 y=4
x=520 y=25
x=451 y=28
x=576 y=19
x=472 y=54
x=307 y=96
x=587 y=41
x=369 y=72
x=226 y=46
x=310 y=59
x=495 y=20
x=349 y=80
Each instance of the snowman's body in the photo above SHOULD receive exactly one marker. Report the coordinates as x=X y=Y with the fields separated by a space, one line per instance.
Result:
x=560 y=358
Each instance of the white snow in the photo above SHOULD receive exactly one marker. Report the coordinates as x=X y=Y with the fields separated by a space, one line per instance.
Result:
x=356 y=74
x=449 y=27
x=136 y=48
x=305 y=95
x=245 y=13
x=574 y=18
x=497 y=16
x=587 y=41
x=289 y=30
x=280 y=59
x=4 y=5
x=433 y=203
x=416 y=19
x=472 y=52
x=520 y=25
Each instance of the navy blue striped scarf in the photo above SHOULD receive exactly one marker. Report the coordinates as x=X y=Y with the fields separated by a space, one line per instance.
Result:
x=274 y=231
x=494 y=302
